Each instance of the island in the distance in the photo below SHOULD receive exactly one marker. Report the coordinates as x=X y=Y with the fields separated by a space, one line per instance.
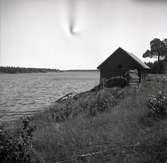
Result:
x=13 y=70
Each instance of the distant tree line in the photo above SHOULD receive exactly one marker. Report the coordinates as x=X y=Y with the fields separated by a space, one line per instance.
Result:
x=81 y=70
x=12 y=70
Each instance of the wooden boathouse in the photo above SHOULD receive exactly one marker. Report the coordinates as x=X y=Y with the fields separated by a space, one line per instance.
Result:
x=120 y=62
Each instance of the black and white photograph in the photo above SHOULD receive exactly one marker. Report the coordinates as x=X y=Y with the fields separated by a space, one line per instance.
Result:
x=83 y=81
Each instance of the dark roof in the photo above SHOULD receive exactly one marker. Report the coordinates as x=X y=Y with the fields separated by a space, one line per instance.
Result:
x=130 y=54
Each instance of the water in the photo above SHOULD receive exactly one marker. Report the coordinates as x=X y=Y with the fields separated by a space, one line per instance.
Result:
x=25 y=93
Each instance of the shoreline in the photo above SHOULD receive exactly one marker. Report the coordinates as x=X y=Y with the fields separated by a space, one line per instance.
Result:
x=12 y=116
x=99 y=125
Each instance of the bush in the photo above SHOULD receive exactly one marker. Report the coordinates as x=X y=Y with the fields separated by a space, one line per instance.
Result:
x=15 y=146
x=156 y=68
x=158 y=104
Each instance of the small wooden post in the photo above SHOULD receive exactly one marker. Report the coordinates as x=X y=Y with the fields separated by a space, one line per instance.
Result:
x=103 y=83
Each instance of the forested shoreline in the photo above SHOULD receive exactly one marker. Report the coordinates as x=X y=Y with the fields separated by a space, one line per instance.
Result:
x=13 y=70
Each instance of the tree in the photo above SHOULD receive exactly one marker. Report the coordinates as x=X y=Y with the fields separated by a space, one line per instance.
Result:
x=158 y=49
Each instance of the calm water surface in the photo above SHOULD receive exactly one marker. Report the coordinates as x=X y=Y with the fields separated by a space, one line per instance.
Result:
x=35 y=91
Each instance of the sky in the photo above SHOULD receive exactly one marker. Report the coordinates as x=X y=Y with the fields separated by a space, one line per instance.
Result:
x=76 y=34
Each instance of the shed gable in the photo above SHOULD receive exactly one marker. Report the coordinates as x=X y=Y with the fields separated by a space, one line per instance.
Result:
x=120 y=62
x=111 y=58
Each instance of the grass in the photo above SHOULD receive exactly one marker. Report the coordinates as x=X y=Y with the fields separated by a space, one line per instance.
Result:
x=110 y=125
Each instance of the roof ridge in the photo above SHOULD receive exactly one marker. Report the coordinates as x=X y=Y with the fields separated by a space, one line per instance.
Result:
x=138 y=60
x=130 y=54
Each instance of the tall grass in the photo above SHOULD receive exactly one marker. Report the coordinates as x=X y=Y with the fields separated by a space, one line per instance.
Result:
x=110 y=125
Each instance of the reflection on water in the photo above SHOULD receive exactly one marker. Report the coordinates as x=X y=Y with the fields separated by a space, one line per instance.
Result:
x=32 y=92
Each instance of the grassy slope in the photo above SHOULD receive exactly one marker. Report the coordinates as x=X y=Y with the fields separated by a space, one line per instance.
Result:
x=113 y=122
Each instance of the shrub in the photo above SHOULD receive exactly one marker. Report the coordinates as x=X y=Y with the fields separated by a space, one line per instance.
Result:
x=15 y=146
x=157 y=104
